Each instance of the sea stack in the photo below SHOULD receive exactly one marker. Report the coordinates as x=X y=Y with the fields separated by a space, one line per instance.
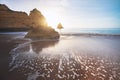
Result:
x=40 y=28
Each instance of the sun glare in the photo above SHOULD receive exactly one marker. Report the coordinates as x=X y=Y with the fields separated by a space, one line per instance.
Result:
x=52 y=19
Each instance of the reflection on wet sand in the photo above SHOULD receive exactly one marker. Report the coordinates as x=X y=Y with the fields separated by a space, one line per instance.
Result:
x=37 y=61
x=38 y=46
x=23 y=56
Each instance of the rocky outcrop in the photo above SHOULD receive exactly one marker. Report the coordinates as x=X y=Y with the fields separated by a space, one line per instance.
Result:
x=40 y=28
x=35 y=22
x=37 y=19
x=38 y=33
x=12 y=19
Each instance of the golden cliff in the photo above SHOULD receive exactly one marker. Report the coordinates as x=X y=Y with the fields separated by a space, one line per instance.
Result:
x=12 y=19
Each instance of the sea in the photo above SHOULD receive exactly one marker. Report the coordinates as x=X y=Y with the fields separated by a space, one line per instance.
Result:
x=93 y=30
x=114 y=31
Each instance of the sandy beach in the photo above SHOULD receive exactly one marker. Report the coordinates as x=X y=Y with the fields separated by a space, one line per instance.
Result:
x=82 y=57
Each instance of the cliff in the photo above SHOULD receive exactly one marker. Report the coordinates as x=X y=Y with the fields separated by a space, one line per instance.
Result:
x=35 y=22
x=12 y=19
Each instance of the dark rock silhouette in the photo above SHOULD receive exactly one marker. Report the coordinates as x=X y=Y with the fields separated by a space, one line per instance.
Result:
x=35 y=22
x=41 y=33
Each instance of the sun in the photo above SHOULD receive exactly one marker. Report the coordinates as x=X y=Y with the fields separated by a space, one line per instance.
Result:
x=54 y=16
x=52 y=19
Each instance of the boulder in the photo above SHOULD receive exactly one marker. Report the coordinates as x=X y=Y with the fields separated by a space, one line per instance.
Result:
x=38 y=33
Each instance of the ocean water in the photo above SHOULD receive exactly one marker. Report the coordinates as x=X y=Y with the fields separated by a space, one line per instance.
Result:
x=115 y=31
x=93 y=30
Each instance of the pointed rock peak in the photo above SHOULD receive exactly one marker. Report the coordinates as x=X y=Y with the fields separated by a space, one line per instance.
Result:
x=3 y=7
x=35 y=10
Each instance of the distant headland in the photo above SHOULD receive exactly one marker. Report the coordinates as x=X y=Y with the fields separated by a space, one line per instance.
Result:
x=35 y=23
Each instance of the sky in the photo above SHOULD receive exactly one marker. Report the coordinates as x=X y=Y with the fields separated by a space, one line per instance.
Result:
x=73 y=13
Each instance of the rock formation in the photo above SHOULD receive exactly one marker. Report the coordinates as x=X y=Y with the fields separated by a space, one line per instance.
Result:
x=40 y=28
x=35 y=22
x=39 y=33
x=37 y=19
x=12 y=19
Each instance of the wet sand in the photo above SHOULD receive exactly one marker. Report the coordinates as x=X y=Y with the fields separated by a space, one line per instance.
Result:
x=7 y=43
x=70 y=58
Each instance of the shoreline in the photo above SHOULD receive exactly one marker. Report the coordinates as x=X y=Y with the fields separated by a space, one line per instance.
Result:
x=89 y=34
x=67 y=34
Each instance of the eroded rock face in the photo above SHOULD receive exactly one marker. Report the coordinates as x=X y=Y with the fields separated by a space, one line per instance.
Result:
x=39 y=33
x=40 y=27
x=12 y=19
x=35 y=21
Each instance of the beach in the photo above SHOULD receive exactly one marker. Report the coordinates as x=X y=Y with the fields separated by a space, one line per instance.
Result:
x=72 y=57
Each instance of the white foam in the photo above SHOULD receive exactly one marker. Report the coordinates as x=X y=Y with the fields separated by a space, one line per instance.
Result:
x=33 y=76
